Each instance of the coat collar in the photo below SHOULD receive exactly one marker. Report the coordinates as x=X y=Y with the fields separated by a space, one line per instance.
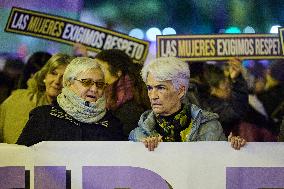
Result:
x=147 y=120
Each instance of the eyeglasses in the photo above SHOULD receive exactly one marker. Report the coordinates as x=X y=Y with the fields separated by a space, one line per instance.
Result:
x=89 y=83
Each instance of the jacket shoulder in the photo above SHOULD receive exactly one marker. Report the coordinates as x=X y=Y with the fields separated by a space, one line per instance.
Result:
x=145 y=127
x=205 y=115
x=42 y=109
x=208 y=116
x=208 y=128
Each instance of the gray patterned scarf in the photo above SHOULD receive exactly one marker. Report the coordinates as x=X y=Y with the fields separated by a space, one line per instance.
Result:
x=77 y=107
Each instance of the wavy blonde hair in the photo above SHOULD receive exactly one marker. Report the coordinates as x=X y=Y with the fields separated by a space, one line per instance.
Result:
x=36 y=83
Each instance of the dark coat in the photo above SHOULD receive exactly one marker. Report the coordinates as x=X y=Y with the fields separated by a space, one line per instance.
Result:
x=52 y=123
x=271 y=99
x=129 y=114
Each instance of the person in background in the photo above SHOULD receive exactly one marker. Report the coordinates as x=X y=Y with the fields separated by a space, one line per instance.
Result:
x=13 y=68
x=256 y=81
x=79 y=113
x=256 y=77
x=228 y=94
x=35 y=62
x=170 y=120
x=272 y=97
x=198 y=88
x=256 y=122
x=126 y=93
x=42 y=89
x=5 y=86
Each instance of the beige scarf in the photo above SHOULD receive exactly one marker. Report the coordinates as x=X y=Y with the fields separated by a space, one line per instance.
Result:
x=79 y=109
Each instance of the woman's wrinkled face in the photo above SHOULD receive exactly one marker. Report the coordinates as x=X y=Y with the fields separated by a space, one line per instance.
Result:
x=165 y=100
x=89 y=85
x=53 y=82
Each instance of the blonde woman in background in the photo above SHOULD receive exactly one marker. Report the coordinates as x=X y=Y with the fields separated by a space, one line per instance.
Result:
x=43 y=89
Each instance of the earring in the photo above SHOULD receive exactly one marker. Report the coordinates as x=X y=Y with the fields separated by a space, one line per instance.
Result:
x=44 y=80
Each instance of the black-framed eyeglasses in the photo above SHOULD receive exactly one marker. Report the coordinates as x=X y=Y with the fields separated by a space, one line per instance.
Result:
x=89 y=83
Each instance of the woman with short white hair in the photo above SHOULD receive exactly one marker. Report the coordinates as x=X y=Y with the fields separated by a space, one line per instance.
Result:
x=168 y=68
x=170 y=120
x=80 y=113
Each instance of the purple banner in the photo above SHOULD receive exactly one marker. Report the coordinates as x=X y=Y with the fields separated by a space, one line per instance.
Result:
x=254 y=177
x=12 y=177
x=50 y=177
x=106 y=177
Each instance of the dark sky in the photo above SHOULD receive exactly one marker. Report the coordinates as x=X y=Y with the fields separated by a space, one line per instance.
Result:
x=190 y=16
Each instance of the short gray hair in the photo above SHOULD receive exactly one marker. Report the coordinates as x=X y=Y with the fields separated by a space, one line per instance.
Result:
x=168 y=69
x=78 y=65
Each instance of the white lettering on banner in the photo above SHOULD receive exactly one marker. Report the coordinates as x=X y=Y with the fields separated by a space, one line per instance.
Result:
x=235 y=47
x=201 y=165
x=83 y=35
x=220 y=46
x=267 y=46
x=20 y=21
x=132 y=49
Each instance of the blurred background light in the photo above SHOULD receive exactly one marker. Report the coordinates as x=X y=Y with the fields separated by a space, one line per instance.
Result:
x=248 y=29
x=87 y=16
x=152 y=33
x=264 y=62
x=169 y=31
x=274 y=29
x=91 y=18
x=248 y=63
x=136 y=32
x=233 y=29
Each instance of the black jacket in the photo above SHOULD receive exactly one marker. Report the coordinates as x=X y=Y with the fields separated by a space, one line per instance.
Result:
x=272 y=98
x=52 y=123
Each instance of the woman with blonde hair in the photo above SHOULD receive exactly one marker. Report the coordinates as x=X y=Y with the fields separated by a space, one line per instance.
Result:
x=42 y=89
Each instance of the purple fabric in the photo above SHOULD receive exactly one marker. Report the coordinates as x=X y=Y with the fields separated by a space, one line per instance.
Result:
x=254 y=177
x=106 y=177
x=50 y=177
x=12 y=177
